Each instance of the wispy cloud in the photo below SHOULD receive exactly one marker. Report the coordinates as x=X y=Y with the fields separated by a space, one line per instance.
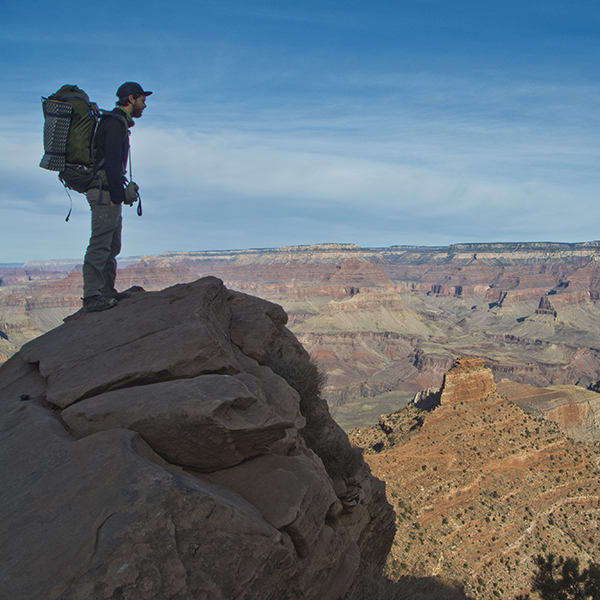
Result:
x=376 y=124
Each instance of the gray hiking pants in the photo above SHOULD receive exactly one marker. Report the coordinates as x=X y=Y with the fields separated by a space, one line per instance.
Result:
x=100 y=263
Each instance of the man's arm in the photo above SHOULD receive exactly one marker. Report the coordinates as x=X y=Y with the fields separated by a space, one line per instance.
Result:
x=114 y=159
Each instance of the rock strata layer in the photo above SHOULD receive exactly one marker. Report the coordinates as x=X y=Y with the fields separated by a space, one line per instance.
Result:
x=575 y=409
x=151 y=452
x=468 y=380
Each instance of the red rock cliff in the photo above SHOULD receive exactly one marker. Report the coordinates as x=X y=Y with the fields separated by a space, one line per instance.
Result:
x=469 y=379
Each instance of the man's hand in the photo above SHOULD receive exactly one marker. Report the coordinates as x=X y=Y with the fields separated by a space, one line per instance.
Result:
x=131 y=193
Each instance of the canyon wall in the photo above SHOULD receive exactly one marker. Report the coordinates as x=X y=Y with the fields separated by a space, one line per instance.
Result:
x=387 y=320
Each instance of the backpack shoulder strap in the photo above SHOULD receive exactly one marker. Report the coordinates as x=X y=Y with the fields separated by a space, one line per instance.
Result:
x=110 y=113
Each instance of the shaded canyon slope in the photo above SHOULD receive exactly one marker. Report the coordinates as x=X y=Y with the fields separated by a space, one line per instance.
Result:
x=152 y=451
x=385 y=323
x=480 y=487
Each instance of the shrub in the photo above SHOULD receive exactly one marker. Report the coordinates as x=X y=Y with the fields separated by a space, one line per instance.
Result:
x=322 y=434
x=561 y=579
x=302 y=373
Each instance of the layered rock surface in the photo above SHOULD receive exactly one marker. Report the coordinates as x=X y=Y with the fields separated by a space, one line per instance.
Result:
x=574 y=409
x=469 y=379
x=151 y=451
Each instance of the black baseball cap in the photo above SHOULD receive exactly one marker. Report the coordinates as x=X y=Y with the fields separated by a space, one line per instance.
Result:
x=130 y=88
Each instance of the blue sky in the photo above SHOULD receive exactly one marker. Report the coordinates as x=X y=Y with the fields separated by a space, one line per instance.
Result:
x=277 y=123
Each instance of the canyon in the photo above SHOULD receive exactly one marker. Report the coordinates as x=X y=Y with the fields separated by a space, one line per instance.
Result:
x=383 y=323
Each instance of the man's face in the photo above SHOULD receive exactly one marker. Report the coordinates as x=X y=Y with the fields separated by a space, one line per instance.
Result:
x=138 y=106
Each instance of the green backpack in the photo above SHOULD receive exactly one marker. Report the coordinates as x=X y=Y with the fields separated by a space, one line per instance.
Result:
x=70 y=124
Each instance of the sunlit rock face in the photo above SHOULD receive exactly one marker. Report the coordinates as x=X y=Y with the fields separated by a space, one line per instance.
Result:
x=469 y=379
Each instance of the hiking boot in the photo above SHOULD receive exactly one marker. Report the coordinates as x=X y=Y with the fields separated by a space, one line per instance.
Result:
x=98 y=303
x=121 y=296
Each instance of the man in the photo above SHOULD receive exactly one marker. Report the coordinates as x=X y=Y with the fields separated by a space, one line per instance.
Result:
x=107 y=197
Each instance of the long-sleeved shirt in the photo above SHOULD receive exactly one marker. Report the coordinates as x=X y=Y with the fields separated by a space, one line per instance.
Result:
x=112 y=145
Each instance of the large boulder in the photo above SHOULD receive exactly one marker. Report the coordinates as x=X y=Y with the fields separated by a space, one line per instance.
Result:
x=158 y=450
x=208 y=422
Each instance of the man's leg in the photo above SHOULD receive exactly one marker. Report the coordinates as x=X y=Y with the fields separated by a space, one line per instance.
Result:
x=110 y=268
x=106 y=224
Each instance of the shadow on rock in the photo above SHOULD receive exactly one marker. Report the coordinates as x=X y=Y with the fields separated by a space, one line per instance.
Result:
x=379 y=587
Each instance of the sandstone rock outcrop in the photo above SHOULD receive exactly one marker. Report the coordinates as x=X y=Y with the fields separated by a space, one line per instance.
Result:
x=469 y=379
x=427 y=399
x=545 y=307
x=151 y=451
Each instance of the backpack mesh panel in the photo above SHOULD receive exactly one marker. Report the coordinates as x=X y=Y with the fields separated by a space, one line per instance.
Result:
x=57 y=119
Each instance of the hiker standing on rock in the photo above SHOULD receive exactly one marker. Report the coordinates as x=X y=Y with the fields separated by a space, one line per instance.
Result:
x=108 y=193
